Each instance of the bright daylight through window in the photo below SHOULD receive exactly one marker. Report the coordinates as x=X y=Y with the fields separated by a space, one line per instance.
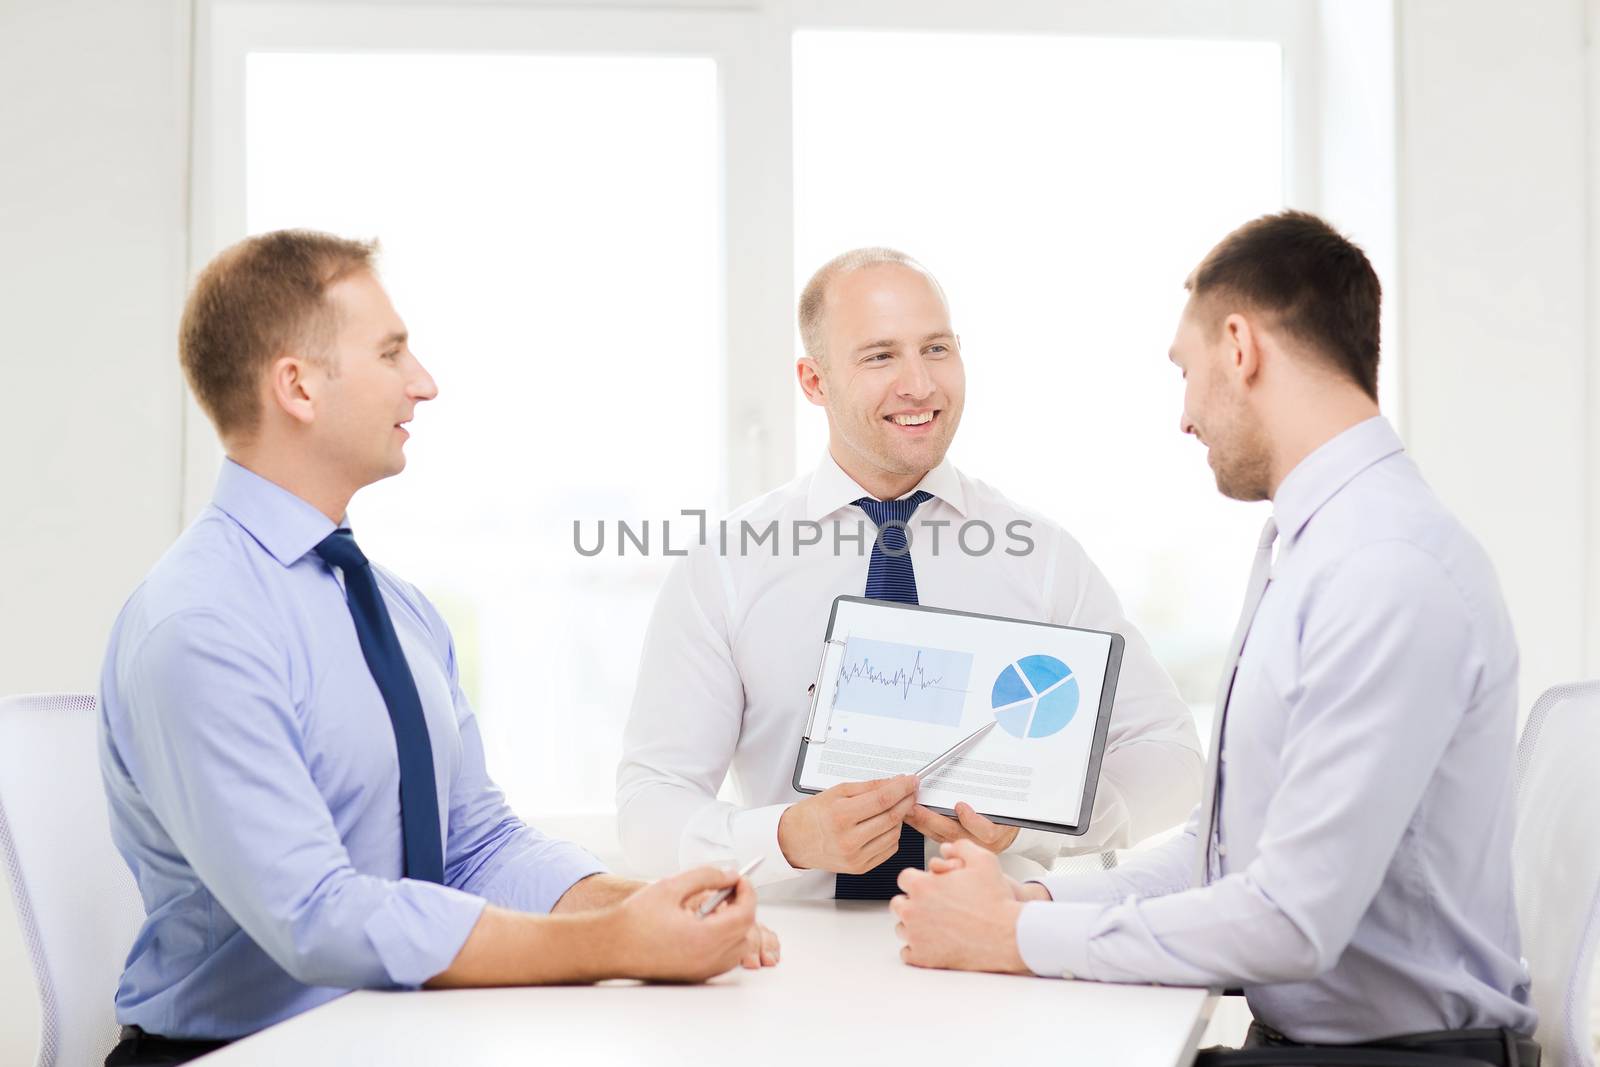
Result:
x=1060 y=188
x=551 y=231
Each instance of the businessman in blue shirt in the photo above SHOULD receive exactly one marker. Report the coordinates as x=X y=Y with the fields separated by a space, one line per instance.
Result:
x=294 y=775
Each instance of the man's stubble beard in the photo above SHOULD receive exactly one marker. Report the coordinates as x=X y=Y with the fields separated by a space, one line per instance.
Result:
x=1241 y=458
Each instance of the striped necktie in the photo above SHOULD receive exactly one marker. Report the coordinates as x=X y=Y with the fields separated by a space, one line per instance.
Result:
x=889 y=577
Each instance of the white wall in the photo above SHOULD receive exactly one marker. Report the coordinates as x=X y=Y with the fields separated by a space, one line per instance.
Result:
x=92 y=206
x=1592 y=535
x=93 y=220
x=1493 y=250
x=1492 y=262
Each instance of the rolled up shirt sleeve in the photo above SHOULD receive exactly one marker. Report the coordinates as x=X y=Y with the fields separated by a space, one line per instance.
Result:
x=492 y=853
x=489 y=851
x=217 y=752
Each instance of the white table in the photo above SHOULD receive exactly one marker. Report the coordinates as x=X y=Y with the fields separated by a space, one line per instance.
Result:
x=834 y=1000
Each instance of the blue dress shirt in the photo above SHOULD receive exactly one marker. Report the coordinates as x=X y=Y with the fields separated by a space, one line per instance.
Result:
x=251 y=773
x=1364 y=884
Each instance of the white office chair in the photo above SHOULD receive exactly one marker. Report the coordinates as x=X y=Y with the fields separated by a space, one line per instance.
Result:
x=1558 y=865
x=76 y=900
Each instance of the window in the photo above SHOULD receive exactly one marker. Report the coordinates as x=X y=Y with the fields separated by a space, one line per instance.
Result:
x=595 y=222
x=552 y=237
x=1061 y=188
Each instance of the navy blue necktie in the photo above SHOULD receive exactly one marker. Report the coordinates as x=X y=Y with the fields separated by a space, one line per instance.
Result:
x=889 y=577
x=419 y=801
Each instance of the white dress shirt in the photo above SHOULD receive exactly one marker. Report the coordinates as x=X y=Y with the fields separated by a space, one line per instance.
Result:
x=734 y=642
x=1362 y=884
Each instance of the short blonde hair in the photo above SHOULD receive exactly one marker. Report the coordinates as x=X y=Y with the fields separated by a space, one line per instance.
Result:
x=254 y=300
x=815 y=295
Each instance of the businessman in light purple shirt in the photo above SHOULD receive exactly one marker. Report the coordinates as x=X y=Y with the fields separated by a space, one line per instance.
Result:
x=1350 y=863
x=295 y=777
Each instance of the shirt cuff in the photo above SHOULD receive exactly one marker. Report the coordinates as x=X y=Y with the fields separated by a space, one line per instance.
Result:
x=574 y=872
x=1081 y=887
x=419 y=929
x=755 y=833
x=535 y=880
x=1053 y=938
x=1022 y=867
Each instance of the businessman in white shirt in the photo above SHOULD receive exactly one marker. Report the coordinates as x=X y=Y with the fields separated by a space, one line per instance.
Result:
x=1350 y=862
x=737 y=630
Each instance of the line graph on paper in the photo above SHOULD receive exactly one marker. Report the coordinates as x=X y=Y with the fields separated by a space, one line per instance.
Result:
x=900 y=681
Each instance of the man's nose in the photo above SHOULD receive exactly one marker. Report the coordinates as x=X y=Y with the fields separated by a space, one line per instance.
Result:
x=914 y=381
x=423 y=387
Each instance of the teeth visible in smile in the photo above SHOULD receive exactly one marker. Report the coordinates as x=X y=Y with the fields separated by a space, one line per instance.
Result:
x=912 y=420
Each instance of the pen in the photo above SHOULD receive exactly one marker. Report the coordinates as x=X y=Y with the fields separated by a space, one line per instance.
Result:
x=942 y=757
x=723 y=894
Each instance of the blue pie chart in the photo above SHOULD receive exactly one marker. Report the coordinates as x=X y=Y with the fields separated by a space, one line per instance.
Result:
x=1035 y=697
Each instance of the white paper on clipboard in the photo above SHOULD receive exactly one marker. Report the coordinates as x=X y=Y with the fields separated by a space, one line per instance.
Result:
x=897 y=684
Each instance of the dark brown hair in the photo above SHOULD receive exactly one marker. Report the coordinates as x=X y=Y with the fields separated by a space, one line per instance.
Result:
x=253 y=301
x=1317 y=285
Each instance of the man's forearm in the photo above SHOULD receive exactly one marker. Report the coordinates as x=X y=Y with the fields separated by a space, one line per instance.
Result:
x=595 y=891
x=512 y=948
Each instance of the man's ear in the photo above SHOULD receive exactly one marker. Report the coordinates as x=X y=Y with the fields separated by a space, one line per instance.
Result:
x=292 y=387
x=1243 y=359
x=809 y=373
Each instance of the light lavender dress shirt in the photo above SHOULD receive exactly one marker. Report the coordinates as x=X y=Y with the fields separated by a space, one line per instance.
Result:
x=1364 y=882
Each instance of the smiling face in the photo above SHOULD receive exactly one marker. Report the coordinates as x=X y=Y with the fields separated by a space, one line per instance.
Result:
x=370 y=386
x=891 y=379
x=1214 y=406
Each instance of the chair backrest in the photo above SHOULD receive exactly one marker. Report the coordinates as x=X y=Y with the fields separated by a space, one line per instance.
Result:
x=1557 y=861
x=76 y=899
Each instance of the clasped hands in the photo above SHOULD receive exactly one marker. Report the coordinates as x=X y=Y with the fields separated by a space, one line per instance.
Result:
x=849 y=828
x=961 y=913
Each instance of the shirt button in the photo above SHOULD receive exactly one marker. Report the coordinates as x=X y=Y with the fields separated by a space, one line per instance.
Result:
x=1068 y=975
x=1222 y=850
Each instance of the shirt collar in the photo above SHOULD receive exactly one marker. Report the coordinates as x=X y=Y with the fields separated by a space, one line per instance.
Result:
x=282 y=523
x=832 y=489
x=1319 y=476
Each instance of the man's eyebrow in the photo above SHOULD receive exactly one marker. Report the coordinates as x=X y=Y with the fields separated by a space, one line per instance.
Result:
x=939 y=335
x=399 y=337
x=876 y=344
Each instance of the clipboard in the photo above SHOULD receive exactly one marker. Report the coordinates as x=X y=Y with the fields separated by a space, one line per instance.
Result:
x=898 y=683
